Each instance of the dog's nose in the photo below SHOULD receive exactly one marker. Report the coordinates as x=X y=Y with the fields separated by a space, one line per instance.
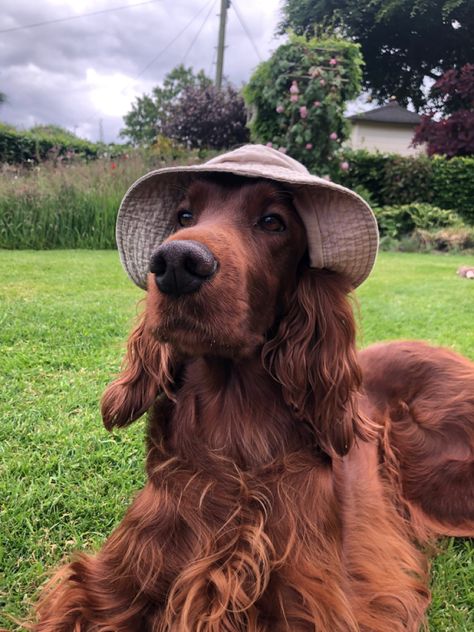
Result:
x=182 y=266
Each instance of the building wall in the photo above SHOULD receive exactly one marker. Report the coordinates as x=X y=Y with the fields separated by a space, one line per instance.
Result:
x=384 y=137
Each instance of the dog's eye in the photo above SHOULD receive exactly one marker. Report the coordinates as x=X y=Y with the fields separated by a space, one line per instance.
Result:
x=185 y=218
x=272 y=223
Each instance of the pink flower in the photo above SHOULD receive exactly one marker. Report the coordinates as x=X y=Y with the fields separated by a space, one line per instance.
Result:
x=280 y=109
x=344 y=165
x=317 y=104
x=309 y=145
x=322 y=82
x=333 y=136
x=294 y=98
x=294 y=87
x=333 y=62
x=282 y=149
x=113 y=165
x=269 y=144
x=303 y=111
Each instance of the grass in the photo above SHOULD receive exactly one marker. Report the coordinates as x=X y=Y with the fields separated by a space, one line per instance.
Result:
x=65 y=482
x=70 y=205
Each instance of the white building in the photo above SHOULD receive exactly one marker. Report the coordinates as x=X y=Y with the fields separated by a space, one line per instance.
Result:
x=388 y=129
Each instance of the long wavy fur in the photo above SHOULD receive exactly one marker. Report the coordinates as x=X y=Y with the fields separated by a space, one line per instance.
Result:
x=282 y=486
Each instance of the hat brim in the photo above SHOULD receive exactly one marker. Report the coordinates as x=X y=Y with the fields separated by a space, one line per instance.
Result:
x=341 y=228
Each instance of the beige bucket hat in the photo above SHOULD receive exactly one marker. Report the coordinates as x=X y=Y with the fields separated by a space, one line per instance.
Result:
x=341 y=228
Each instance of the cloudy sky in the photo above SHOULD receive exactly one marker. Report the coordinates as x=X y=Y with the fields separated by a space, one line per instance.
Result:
x=84 y=73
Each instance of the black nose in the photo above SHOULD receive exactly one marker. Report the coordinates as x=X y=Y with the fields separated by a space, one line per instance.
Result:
x=182 y=266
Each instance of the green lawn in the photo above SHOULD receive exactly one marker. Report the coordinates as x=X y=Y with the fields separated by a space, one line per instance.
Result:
x=65 y=482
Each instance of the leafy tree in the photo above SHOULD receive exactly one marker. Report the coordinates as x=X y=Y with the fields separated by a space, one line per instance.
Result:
x=402 y=41
x=149 y=114
x=453 y=98
x=298 y=98
x=205 y=117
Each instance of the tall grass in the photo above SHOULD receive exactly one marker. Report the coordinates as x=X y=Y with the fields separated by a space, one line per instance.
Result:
x=68 y=206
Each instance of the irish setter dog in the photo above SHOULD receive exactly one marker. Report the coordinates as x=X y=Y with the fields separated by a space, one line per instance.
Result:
x=290 y=480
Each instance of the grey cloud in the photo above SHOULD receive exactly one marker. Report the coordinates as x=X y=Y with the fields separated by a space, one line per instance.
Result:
x=43 y=71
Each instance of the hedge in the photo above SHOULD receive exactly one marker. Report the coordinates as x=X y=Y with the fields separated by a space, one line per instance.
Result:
x=391 y=179
x=29 y=146
x=50 y=142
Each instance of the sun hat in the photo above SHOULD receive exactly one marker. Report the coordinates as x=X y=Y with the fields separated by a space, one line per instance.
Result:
x=341 y=228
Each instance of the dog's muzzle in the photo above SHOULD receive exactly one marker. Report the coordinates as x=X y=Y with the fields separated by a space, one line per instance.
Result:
x=182 y=266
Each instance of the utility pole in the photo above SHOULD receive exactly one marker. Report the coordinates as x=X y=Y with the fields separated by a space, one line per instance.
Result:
x=225 y=4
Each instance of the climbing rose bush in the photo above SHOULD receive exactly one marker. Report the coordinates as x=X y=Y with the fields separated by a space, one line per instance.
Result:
x=297 y=100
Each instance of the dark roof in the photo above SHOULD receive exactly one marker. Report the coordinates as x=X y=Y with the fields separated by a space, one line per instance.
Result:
x=390 y=113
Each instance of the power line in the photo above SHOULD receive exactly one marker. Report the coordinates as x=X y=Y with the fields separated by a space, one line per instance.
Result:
x=245 y=28
x=77 y=17
x=171 y=42
x=213 y=61
x=198 y=32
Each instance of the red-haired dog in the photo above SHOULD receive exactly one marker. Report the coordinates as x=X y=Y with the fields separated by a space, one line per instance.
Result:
x=289 y=478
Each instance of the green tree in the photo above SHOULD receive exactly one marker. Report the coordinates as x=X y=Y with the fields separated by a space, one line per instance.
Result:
x=3 y=98
x=297 y=99
x=402 y=41
x=149 y=114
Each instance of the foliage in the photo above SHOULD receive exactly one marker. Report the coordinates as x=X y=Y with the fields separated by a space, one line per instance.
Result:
x=298 y=95
x=3 y=97
x=149 y=114
x=34 y=146
x=453 y=96
x=447 y=239
x=72 y=205
x=208 y=117
x=391 y=179
x=63 y=207
x=50 y=142
x=403 y=41
x=453 y=185
x=399 y=221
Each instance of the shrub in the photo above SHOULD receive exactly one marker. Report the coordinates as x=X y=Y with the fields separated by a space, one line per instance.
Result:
x=50 y=143
x=452 y=185
x=208 y=117
x=297 y=99
x=391 y=179
x=399 y=221
x=31 y=146
x=447 y=239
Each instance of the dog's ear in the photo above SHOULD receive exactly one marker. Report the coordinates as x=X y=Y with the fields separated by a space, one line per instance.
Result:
x=313 y=356
x=147 y=371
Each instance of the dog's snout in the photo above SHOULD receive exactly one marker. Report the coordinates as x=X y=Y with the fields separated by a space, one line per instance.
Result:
x=182 y=266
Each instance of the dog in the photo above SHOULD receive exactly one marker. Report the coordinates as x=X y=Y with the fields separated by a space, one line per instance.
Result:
x=290 y=479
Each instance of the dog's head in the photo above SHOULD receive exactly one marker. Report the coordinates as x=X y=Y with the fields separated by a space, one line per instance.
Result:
x=233 y=281
x=219 y=283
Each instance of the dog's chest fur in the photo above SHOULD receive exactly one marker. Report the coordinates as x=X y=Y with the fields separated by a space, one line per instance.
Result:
x=279 y=545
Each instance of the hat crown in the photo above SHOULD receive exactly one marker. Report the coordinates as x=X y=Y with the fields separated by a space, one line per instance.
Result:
x=260 y=156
